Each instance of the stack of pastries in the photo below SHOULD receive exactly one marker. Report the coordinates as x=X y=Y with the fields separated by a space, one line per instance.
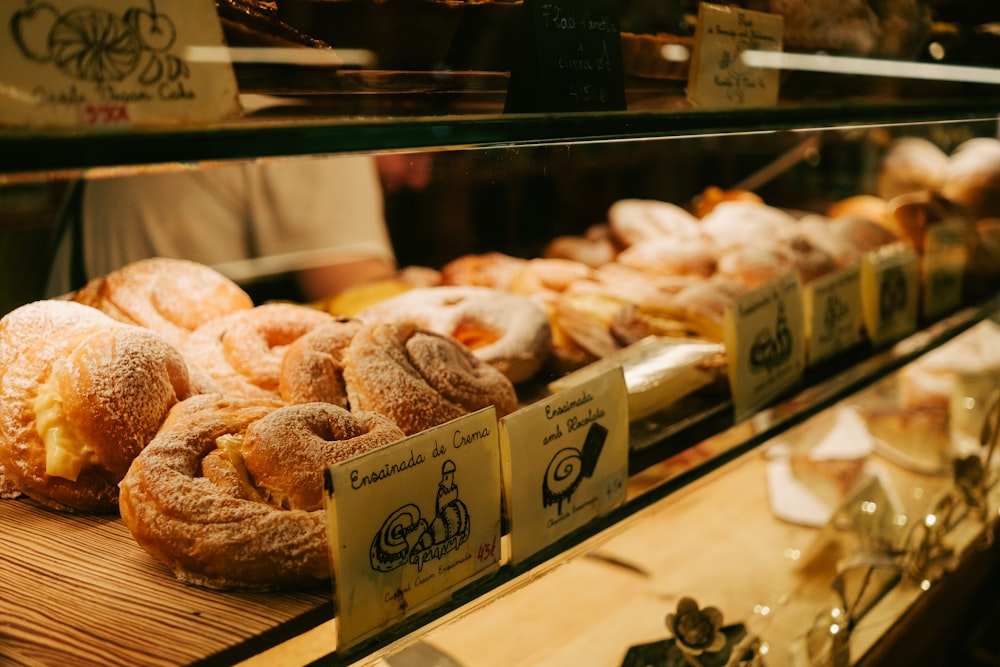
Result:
x=162 y=392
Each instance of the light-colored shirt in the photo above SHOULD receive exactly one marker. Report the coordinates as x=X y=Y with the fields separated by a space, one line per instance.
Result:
x=246 y=220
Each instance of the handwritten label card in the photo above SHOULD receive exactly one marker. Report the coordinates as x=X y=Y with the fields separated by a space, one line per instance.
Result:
x=832 y=314
x=718 y=76
x=117 y=63
x=765 y=343
x=411 y=522
x=945 y=258
x=565 y=461
x=569 y=58
x=889 y=293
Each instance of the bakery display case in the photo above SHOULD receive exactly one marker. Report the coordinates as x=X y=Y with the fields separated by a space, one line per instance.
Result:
x=801 y=528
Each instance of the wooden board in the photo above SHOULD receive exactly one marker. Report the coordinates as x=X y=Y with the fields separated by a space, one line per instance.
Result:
x=78 y=590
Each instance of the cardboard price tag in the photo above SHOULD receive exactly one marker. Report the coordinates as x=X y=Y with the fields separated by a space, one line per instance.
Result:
x=569 y=58
x=117 y=63
x=718 y=77
x=889 y=293
x=565 y=461
x=945 y=258
x=832 y=314
x=765 y=343
x=413 y=521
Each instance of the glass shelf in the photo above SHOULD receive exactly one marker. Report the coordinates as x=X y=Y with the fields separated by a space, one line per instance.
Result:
x=42 y=154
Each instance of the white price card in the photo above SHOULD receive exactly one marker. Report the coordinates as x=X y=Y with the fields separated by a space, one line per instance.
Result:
x=889 y=293
x=832 y=313
x=109 y=64
x=943 y=264
x=765 y=343
x=565 y=461
x=411 y=522
x=718 y=76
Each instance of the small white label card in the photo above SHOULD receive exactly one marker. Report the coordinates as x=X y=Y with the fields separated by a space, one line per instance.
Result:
x=890 y=286
x=112 y=64
x=413 y=521
x=718 y=76
x=765 y=343
x=945 y=258
x=565 y=461
x=832 y=313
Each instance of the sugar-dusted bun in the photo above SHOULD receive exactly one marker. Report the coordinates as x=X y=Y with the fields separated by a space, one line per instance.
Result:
x=312 y=367
x=757 y=264
x=80 y=395
x=510 y=332
x=910 y=165
x=972 y=178
x=822 y=233
x=420 y=379
x=170 y=296
x=229 y=492
x=243 y=351
x=634 y=220
x=684 y=256
x=594 y=248
x=741 y=223
x=863 y=234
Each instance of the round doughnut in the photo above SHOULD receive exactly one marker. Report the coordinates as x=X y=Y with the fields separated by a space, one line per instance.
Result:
x=684 y=256
x=420 y=379
x=170 y=296
x=868 y=207
x=492 y=269
x=80 y=395
x=242 y=351
x=229 y=492
x=912 y=164
x=508 y=331
x=972 y=177
x=863 y=234
x=634 y=220
x=312 y=368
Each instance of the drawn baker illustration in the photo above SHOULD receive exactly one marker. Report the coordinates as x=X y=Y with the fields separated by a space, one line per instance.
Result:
x=407 y=537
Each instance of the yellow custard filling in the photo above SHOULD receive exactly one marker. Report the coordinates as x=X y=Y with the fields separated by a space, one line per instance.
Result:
x=66 y=454
x=230 y=444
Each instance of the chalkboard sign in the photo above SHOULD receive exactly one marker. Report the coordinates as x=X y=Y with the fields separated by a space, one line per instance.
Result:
x=569 y=58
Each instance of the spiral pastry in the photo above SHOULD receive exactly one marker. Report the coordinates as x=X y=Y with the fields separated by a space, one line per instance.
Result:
x=420 y=379
x=229 y=493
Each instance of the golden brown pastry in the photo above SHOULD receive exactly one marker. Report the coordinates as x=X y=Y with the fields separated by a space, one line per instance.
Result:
x=972 y=177
x=634 y=220
x=594 y=248
x=420 y=379
x=492 y=269
x=173 y=297
x=229 y=493
x=312 y=367
x=80 y=395
x=911 y=164
x=243 y=351
x=684 y=256
x=510 y=332
x=713 y=195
